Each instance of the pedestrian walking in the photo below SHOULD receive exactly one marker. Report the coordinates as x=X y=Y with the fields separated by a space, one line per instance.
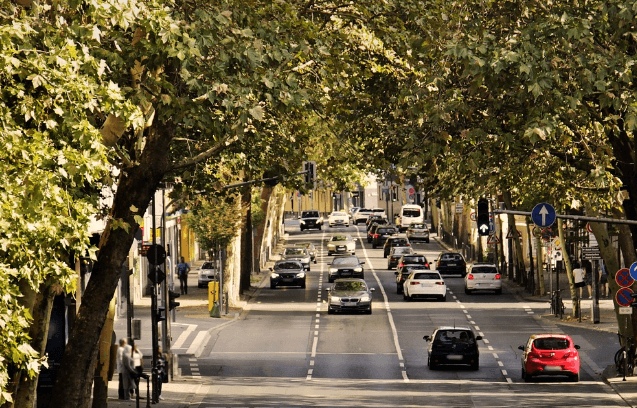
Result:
x=119 y=366
x=588 y=277
x=603 y=282
x=138 y=363
x=182 y=272
x=128 y=372
x=578 y=277
x=162 y=372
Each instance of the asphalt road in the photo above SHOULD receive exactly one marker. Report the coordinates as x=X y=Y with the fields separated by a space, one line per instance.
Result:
x=289 y=352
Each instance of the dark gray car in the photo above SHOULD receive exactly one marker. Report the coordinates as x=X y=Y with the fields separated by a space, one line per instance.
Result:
x=349 y=295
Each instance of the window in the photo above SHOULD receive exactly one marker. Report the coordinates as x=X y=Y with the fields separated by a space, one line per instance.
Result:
x=411 y=212
x=551 y=343
x=484 y=269
x=425 y=276
x=357 y=286
x=306 y=214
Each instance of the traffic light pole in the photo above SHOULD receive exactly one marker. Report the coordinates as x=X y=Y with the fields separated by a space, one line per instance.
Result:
x=153 y=317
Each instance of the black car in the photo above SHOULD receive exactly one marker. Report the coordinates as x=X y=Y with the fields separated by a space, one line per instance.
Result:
x=453 y=345
x=377 y=221
x=288 y=273
x=451 y=263
x=311 y=219
x=381 y=234
x=370 y=232
x=345 y=267
x=349 y=295
x=395 y=254
x=371 y=219
x=413 y=259
x=394 y=242
x=402 y=273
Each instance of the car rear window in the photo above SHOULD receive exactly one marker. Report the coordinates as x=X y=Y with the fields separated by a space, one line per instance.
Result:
x=418 y=226
x=378 y=210
x=551 y=343
x=401 y=250
x=451 y=257
x=414 y=259
x=454 y=336
x=484 y=269
x=426 y=275
x=411 y=212
x=386 y=230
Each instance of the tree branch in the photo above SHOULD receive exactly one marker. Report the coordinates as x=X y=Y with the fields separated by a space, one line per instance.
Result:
x=201 y=157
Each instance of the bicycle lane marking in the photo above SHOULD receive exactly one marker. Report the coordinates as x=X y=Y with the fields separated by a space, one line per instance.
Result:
x=401 y=360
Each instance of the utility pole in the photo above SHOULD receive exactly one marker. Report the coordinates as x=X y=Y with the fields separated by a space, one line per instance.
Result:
x=153 y=316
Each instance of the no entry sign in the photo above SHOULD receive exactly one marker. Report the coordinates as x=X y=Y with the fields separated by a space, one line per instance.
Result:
x=623 y=278
x=623 y=297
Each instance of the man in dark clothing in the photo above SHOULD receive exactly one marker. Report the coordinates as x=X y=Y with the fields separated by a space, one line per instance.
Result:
x=182 y=271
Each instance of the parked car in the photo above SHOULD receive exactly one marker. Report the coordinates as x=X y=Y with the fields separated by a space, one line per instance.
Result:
x=288 y=273
x=206 y=273
x=310 y=219
x=550 y=354
x=413 y=259
x=402 y=273
x=381 y=234
x=345 y=267
x=453 y=345
x=297 y=254
x=483 y=276
x=349 y=295
x=424 y=284
x=418 y=232
x=361 y=215
x=451 y=263
x=395 y=254
x=338 y=218
x=310 y=248
x=394 y=241
x=341 y=244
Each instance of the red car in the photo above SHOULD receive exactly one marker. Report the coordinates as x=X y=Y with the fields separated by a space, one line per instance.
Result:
x=550 y=354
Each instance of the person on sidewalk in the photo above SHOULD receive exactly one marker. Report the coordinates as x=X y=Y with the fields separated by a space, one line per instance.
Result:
x=162 y=371
x=578 y=277
x=128 y=372
x=119 y=366
x=138 y=363
x=182 y=272
x=588 y=277
x=603 y=282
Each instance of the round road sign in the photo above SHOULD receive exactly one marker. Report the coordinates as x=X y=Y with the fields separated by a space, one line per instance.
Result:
x=543 y=215
x=623 y=297
x=623 y=278
x=633 y=270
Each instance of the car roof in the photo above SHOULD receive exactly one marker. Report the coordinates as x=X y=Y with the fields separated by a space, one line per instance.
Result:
x=484 y=264
x=453 y=328
x=551 y=335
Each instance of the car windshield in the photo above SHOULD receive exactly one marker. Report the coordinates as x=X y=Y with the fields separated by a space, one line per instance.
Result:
x=551 y=343
x=208 y=265
x=304 y=244
x=454 y=336
x=306 y=214
x=417 y=226
x=357 y=286
x=295 y=251
x=414 y=259
x=402 y=250
x=484 y=269
x=345 y=261
x=412 y=212
x=288 y=265
x=339 y=214
x=340 y=238
x=426 y=275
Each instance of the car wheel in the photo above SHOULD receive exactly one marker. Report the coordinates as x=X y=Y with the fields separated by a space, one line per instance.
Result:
x=369 y=311
x=272 y=285
x=329 y=253
x=301 y=228
x=330 y=280
x=406 y=296
x=427 y=241
x=525 y=376
x=467 y=291
x=373 y=246
x=443 y=298
x=319 y=228
x=575 y=377
x=475 y=366
x=431 y=364
x=398 y=290
x=315 y=261
x=498 y=291
x=330 y=310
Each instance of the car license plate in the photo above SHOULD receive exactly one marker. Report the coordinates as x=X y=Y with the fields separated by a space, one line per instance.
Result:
x=552 y=368
x=287 y=279
x=450 y=264
x=341 y=247
x=454 y=357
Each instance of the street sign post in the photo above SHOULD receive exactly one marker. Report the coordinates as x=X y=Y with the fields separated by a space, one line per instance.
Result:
x=543 y=215
x=591 y=253
x=623 y=278
x=623 y=297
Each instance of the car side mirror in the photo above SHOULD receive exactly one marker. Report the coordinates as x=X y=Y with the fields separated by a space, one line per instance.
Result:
x=372 y=289
x=362 y=263
x=427 y=338
x=328 y=289
x=328 y=264
x=271 y=269
x=478 y=337
x=521 y=348
x=396 y=273
x=577 y=347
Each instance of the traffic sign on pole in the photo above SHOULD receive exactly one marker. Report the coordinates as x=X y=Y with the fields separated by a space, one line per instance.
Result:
x=623 y=278
x=633 y=270
x=543 y=215
x=623 y=297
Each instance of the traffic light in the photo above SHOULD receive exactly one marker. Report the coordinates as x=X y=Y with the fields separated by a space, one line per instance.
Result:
x=171 y=300
x=483 y=217
x=634 y=297
x=309 y=167
x=394 y=195
x=161 y=314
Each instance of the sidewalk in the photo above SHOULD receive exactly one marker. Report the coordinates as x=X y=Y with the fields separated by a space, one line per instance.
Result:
x=181 y=391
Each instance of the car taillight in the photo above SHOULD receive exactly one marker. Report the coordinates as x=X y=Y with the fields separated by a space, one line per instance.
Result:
x=375 y=235
x=470 y=276
x=400 y=265
x=414 y=283
x=440 y=283
x=497 y=276
x=426 y=265
x=407 y=245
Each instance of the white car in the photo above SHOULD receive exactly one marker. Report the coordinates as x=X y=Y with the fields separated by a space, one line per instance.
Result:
x=483 y=276
x=425 y=284
x=205 y=274
x=341 y=244
x=361 y=215
x=353 y=211
x=338 y=218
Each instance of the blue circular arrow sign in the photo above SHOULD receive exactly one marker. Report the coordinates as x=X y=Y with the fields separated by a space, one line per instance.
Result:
x=633 y=271
x=623 y=297
x=543 y=215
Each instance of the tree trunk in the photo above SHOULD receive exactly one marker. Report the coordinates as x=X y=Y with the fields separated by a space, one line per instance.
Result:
x=569 y=267
x=134 y=191
x=246 y=241
x=100 y=388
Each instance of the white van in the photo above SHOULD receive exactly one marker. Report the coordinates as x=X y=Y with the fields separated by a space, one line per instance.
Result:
x=410 y=214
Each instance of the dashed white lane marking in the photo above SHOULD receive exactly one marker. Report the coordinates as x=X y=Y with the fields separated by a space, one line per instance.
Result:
x=319 y=304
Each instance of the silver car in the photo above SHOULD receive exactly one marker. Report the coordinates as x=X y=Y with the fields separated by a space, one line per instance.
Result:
x=341 y=244
x=297 y=254
x=483 y=276
x=349 y=295
x=418 y=232
x=205 y=274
